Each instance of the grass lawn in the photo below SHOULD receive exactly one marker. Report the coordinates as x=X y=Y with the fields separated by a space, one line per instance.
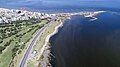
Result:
x=30 y=64
x=6 y=56
x=49 y=30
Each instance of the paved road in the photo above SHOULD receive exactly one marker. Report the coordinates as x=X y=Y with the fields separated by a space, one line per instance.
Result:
x=22 y=63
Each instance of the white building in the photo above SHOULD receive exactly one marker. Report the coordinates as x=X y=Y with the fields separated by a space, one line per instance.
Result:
x=8 y=15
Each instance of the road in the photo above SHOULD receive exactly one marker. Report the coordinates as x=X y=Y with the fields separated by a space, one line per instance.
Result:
x=23 y=61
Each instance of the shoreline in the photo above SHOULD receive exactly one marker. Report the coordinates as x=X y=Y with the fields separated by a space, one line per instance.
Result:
x=46 y=46
x=45 y=50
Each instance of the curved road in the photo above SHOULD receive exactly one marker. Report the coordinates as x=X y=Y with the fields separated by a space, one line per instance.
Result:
x=23 y=61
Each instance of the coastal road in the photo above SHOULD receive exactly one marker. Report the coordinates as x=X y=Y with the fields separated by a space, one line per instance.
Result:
x=23 y=61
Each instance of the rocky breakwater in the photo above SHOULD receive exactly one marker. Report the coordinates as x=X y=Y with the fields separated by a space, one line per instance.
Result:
x=89 y=14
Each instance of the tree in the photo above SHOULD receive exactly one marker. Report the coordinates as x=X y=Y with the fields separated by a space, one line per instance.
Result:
x=14 y=51
x=1 y=41
x=7 y=44
x=1 y=49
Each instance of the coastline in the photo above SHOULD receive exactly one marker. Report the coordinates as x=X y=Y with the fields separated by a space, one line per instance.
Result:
x=93 y=30
x=45 y=52
x=46 y=45
x=45 y=49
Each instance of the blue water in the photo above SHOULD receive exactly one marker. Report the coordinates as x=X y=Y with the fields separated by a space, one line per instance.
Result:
x=84 y=43
x=61 y=5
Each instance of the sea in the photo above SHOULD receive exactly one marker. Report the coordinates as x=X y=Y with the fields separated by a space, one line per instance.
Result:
x=85 y=43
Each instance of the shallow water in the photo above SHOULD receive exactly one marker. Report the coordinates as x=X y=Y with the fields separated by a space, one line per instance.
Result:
x=84 y=43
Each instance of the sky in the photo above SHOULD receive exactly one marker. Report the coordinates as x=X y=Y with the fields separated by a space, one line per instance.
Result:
x=59 y=3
